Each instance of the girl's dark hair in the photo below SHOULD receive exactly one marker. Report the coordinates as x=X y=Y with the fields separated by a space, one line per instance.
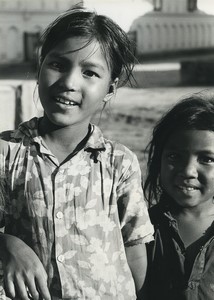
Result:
x=194 y=112
x=80 y=22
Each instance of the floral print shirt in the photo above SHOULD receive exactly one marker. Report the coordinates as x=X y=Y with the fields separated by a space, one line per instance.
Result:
x=77 y=216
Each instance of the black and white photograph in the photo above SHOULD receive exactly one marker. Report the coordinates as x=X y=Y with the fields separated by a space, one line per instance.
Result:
x=107 y=150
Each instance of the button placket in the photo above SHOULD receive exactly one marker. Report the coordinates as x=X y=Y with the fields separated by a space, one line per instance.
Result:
x=61 y=258
x=59 y=215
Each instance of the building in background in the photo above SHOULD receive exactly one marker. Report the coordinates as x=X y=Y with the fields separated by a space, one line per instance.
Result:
x=21 y=23
x=173 y=26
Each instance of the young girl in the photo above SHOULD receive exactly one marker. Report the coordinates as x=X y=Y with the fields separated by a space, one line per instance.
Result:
x=181 y=181
x=76 y=222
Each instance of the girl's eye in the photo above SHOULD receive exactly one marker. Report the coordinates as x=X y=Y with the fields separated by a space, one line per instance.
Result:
x=55 y=65
x=90 y=73
x=172 y=156
x=207 y=160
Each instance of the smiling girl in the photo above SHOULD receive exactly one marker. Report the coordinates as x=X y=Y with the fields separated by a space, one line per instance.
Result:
x=77 y=223
x=181 y=181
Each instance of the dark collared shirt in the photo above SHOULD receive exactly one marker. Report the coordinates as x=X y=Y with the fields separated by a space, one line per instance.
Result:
x=172 y=274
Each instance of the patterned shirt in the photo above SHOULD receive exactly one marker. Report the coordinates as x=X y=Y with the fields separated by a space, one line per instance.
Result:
x=77 y=216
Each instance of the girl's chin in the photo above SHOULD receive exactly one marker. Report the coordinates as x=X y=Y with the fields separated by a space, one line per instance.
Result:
x=52 y=123
x=58 y=120
x=187 y=203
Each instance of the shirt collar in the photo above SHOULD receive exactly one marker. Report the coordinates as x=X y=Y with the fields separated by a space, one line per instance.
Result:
x=96 y=140
x=164 y=208
x=30 y=128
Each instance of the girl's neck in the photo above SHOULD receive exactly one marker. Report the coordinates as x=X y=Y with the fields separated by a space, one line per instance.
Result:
x=62 y=133
x=63 y=141
x=201 y=211
x=193 y=224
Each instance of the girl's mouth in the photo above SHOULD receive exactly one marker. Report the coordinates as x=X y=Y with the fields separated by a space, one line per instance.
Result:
x=66 y=101
x=185 y=188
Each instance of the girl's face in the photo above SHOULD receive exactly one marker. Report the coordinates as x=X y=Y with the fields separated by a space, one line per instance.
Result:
x=73 y=83
x=187 y=167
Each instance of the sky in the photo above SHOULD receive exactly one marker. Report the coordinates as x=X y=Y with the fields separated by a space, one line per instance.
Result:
x=131 y=9
x=206 y=5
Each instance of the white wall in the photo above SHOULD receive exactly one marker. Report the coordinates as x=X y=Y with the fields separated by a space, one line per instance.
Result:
x=158 y=32
x=19 y=16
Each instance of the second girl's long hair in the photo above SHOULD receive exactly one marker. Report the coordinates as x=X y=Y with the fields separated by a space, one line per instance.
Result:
x=194 y=112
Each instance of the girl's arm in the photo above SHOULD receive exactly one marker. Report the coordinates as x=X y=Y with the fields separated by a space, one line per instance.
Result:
x=23 y=271
x=137 y=260
x=135 y=223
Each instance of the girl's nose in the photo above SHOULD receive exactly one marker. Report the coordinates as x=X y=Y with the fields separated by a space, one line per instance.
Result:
x=189 y=169
x=69 y=80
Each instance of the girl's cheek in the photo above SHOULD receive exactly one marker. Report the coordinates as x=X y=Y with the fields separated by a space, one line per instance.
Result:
x=48 y=77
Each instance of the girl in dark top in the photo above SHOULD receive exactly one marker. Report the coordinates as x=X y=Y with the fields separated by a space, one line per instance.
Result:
x=180 y=182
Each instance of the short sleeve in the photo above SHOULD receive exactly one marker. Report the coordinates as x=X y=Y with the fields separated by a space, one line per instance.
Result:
x=3 y=179
x=3 y=164
x=2 y=291
x=134 y=219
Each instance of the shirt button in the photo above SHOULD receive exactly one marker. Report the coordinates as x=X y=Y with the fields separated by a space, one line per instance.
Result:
x=59 y=215
x=60 y=258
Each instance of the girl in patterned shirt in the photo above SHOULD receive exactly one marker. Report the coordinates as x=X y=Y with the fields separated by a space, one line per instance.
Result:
x=76 y=222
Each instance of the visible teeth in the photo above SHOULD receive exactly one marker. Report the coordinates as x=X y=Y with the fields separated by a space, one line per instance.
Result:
x=67 y=102
x=187 y=188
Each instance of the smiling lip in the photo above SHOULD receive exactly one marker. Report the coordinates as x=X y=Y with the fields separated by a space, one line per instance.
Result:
x=187 y=188
x=66 y=101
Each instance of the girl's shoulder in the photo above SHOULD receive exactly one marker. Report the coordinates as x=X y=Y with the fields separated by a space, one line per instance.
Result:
x=156 y=213
x=25 y=129
x=13 y=138
x=4 y=149
x=6 y=135
x=112 y=150
x=111 y=147
x=123 y=157
x=5 y=138
x=9 y=136
x=119 y=149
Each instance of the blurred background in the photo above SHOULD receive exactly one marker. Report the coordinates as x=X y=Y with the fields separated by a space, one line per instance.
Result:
x=174 y=46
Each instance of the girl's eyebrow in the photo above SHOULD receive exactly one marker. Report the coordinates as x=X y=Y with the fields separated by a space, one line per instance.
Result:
x=207 y=151
x=85 y=63
x=176 y=149
x=93 y=65
x=58 y=55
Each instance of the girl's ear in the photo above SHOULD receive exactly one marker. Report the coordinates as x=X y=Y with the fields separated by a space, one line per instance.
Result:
x=112 y=90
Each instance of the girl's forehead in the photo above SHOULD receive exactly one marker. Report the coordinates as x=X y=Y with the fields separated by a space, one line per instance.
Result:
x=75 y=44
x=191 y=139
x=81 y=46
